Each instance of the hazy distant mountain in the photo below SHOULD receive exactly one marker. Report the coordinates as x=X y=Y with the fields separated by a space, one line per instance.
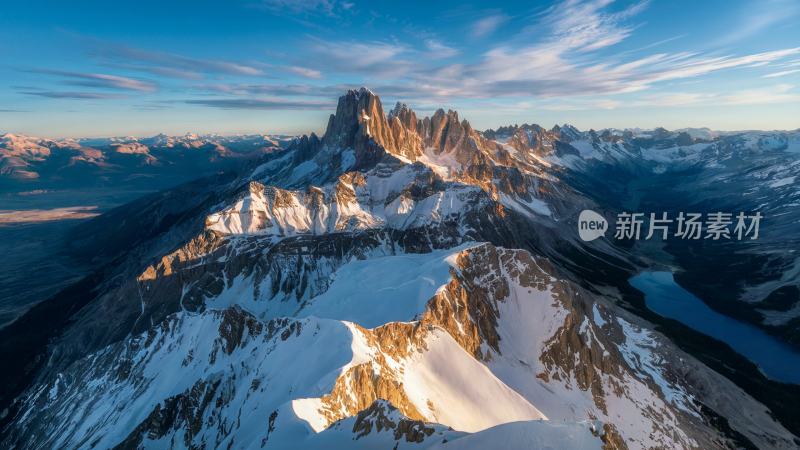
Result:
x=399 y=282
x=31 y=163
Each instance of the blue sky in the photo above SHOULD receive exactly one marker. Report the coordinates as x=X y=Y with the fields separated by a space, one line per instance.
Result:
x=99 y=68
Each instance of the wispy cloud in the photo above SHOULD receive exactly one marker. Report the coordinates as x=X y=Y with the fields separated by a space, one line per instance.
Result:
x=170 y=64
x=73 y=95
x=437 y=49
x=305 y=72
x=100 y=80
x=276 y=89
x=488 y=25
x=169 y=72
x=361 y=57
x=374 y=59
x=153 y=106
x=326 y=7
x=565 y=52
x=562 y=59
x=654 y=44
x=265 y=104
x=556 y=57
x=782 y=73
x=587 y=25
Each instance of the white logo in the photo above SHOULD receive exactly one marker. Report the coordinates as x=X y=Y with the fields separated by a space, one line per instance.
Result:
x=591 y=225
x=635 y=226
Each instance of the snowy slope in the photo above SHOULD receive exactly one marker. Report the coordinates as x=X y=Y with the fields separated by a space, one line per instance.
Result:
x=448 y=386
x=528 y=436
x=354 y=202
x=399 y=288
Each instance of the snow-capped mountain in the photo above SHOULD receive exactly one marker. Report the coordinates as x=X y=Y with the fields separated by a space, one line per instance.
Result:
x=396 y=283
x=753 y=171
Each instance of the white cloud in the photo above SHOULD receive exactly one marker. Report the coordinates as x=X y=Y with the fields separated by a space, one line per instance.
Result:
x=73 y=95
x=585 y=26
x=101 y=80
x=169 y=64
x=563 y=60
x=487 y=25
x=782 y=73
x=697 y=66
x=437 y=49
x=258 y=103
x=372 y=58
x=105 y=80
x=305 y=72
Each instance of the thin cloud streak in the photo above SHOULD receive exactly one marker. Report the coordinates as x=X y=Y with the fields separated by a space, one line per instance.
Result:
x=306 y=7
x=100 y=80
x=170 y=64
x=279 y=90
x=305 y=72
x=781 y=73
x=73 y=95
x=260 y=104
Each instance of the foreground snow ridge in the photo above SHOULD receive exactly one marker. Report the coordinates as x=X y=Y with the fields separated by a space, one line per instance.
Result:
x=285 y=381
x=474 y=347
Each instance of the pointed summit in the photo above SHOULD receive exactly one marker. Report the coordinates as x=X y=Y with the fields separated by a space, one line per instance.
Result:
x=360 y=119
x=359 y=114
x=361 y=124
x=566 y=132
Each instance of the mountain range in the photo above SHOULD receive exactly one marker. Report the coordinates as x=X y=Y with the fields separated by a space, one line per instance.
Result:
x=407 y=282
x=28 y=162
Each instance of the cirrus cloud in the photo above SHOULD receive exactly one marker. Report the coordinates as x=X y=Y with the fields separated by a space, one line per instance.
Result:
x=101 y=80
x=72 y=95
x=262 y=104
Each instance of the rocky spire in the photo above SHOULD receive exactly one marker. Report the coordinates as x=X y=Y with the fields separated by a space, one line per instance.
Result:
x=403 y=125
x=360 y=121
x=359 y=117
x=444 y=132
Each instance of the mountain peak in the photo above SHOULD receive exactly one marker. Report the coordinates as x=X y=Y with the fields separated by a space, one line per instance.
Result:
x=362 y=91
x=354 y=112
x=360 y=121
x=399 y=110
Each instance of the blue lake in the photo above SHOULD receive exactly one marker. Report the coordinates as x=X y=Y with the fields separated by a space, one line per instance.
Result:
x=666 y=298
